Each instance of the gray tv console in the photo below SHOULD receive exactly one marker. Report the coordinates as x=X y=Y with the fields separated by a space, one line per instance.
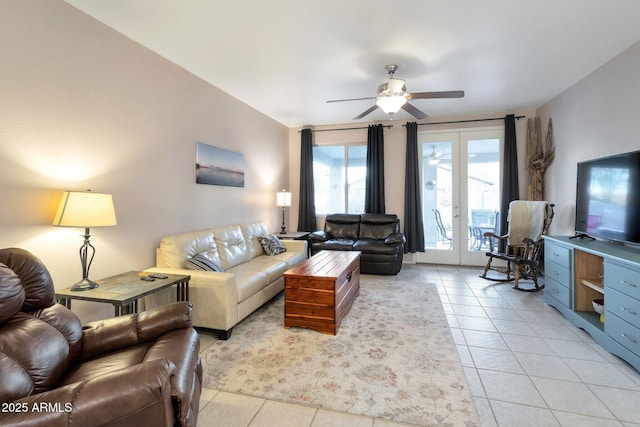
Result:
x=577 y=271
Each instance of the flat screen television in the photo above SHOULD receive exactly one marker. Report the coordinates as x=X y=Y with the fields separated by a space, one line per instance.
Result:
x=608 y=198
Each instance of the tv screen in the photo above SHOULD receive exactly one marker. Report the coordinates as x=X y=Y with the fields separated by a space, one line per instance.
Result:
x=608 y=198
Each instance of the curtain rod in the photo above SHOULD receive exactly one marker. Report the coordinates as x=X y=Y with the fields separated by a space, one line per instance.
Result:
x=330 y=130
x=467 y=121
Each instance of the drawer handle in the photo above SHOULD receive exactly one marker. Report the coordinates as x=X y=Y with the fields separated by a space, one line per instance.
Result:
x=629 y=283
x=554 y=291
x=628 y=310
x=349 y=276
x=625 y=336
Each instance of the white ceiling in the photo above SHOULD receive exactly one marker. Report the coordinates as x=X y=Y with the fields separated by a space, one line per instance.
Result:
x=285 y=58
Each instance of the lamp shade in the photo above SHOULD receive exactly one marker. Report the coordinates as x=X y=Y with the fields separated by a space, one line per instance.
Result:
x=283 y=198
x=391 y=103
x=85 y=209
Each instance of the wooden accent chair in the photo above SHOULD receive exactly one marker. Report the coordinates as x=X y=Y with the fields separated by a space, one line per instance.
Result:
x=523 y=244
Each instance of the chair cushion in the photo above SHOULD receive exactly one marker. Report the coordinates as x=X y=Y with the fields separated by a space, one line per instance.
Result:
x=34 y=278
x=11 y=293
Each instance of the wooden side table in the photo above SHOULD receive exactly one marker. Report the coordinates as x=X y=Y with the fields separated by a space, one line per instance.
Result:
x=124 y=291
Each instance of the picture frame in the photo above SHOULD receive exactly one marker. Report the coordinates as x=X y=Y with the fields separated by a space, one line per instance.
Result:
x=217 y=166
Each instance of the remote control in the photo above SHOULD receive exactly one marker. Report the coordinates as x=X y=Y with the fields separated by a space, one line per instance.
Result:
x=158 y=276
x=147 y=278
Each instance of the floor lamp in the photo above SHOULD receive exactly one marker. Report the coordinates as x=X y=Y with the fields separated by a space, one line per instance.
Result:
x=283 y=199
x=85 y=210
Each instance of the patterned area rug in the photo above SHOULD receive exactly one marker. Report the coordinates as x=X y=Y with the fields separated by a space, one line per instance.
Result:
x=393 y=358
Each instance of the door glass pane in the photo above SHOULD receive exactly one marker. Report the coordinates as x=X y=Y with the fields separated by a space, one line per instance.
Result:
x=483 y=190
x=437 y=201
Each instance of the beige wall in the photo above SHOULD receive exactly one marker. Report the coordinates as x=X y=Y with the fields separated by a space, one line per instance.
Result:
x=82 y=106
x=596 y=117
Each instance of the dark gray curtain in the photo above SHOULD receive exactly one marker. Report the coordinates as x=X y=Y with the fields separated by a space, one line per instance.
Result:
x=413 y=227
x=509 y=189
x=374 y=190
x=307 y=209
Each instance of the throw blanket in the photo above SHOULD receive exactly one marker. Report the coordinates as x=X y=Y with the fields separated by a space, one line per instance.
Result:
x=526 y=219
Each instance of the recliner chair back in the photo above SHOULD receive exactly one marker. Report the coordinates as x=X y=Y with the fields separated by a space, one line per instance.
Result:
x=39 y=338
x=343 y=226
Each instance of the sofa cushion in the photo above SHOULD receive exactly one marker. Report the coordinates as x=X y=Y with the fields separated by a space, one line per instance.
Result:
x=342 y=226
x=291 y=258
x=174 y=250
x=231 y=245
x=271 y=244
x=203 y=263
x=378 y=226
x=269 y=265
x=335 y=245
x=248 y=282
x=251 y=231
x=374 y=246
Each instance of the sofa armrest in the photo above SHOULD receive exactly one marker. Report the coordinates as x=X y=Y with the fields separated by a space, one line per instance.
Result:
x=295 y=245
x=111 y=334
x=395 y=239
x=214 y=297
x=319 y=236
x=103 y=400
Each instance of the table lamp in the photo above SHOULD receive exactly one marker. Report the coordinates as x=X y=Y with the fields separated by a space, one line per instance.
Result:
x=85 y=209
x=283 y=199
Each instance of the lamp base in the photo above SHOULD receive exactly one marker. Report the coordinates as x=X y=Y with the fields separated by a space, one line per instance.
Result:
x=84 y=285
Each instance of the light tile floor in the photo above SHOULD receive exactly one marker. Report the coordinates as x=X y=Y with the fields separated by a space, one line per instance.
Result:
x=525 y=364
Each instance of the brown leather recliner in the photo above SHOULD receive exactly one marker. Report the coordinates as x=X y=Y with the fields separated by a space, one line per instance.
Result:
x=135 y=370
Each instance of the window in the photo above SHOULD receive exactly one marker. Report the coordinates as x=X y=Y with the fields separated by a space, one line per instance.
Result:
x=339 y=175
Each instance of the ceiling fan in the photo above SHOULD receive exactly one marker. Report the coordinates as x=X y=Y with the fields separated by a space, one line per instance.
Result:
x=392 y=96
x=434 y=158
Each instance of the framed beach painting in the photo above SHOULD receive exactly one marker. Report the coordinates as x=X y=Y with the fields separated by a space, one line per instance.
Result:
x=216 y=166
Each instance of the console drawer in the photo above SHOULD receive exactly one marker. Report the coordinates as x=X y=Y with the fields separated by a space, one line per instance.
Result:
x=622 y=278
x=557 y=272
x=622 y=306
x=623 y=332
x=557 y=254
x=558 y=291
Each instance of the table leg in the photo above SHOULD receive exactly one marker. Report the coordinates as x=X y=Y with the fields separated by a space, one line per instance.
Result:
x=66 y=302
x=182 y=291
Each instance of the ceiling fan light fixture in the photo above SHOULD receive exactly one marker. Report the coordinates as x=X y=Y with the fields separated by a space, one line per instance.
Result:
x=391 y=104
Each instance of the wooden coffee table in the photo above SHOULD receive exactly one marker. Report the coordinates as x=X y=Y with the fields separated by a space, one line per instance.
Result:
x=319 y=292
x=124 y=291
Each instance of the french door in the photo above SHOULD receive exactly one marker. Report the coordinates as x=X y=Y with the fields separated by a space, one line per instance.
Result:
x=460 y=193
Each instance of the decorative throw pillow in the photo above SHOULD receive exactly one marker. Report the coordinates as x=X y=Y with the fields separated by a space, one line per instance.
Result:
x=202 y=263
x=271 y=244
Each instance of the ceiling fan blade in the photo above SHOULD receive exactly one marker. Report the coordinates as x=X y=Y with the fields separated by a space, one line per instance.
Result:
x=370 y=110
x=350 y=99
x=443 y=94
x=414 y=111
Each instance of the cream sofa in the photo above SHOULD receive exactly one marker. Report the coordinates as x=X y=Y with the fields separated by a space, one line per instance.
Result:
x=250 y=278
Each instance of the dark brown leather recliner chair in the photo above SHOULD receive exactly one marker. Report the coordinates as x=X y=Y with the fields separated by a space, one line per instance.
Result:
x=376 y=236
x=136 y=370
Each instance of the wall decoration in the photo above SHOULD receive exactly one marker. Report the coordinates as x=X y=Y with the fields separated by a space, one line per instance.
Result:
x=216 y=166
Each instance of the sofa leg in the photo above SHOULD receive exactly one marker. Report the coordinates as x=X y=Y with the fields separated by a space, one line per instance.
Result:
x=222 y=334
